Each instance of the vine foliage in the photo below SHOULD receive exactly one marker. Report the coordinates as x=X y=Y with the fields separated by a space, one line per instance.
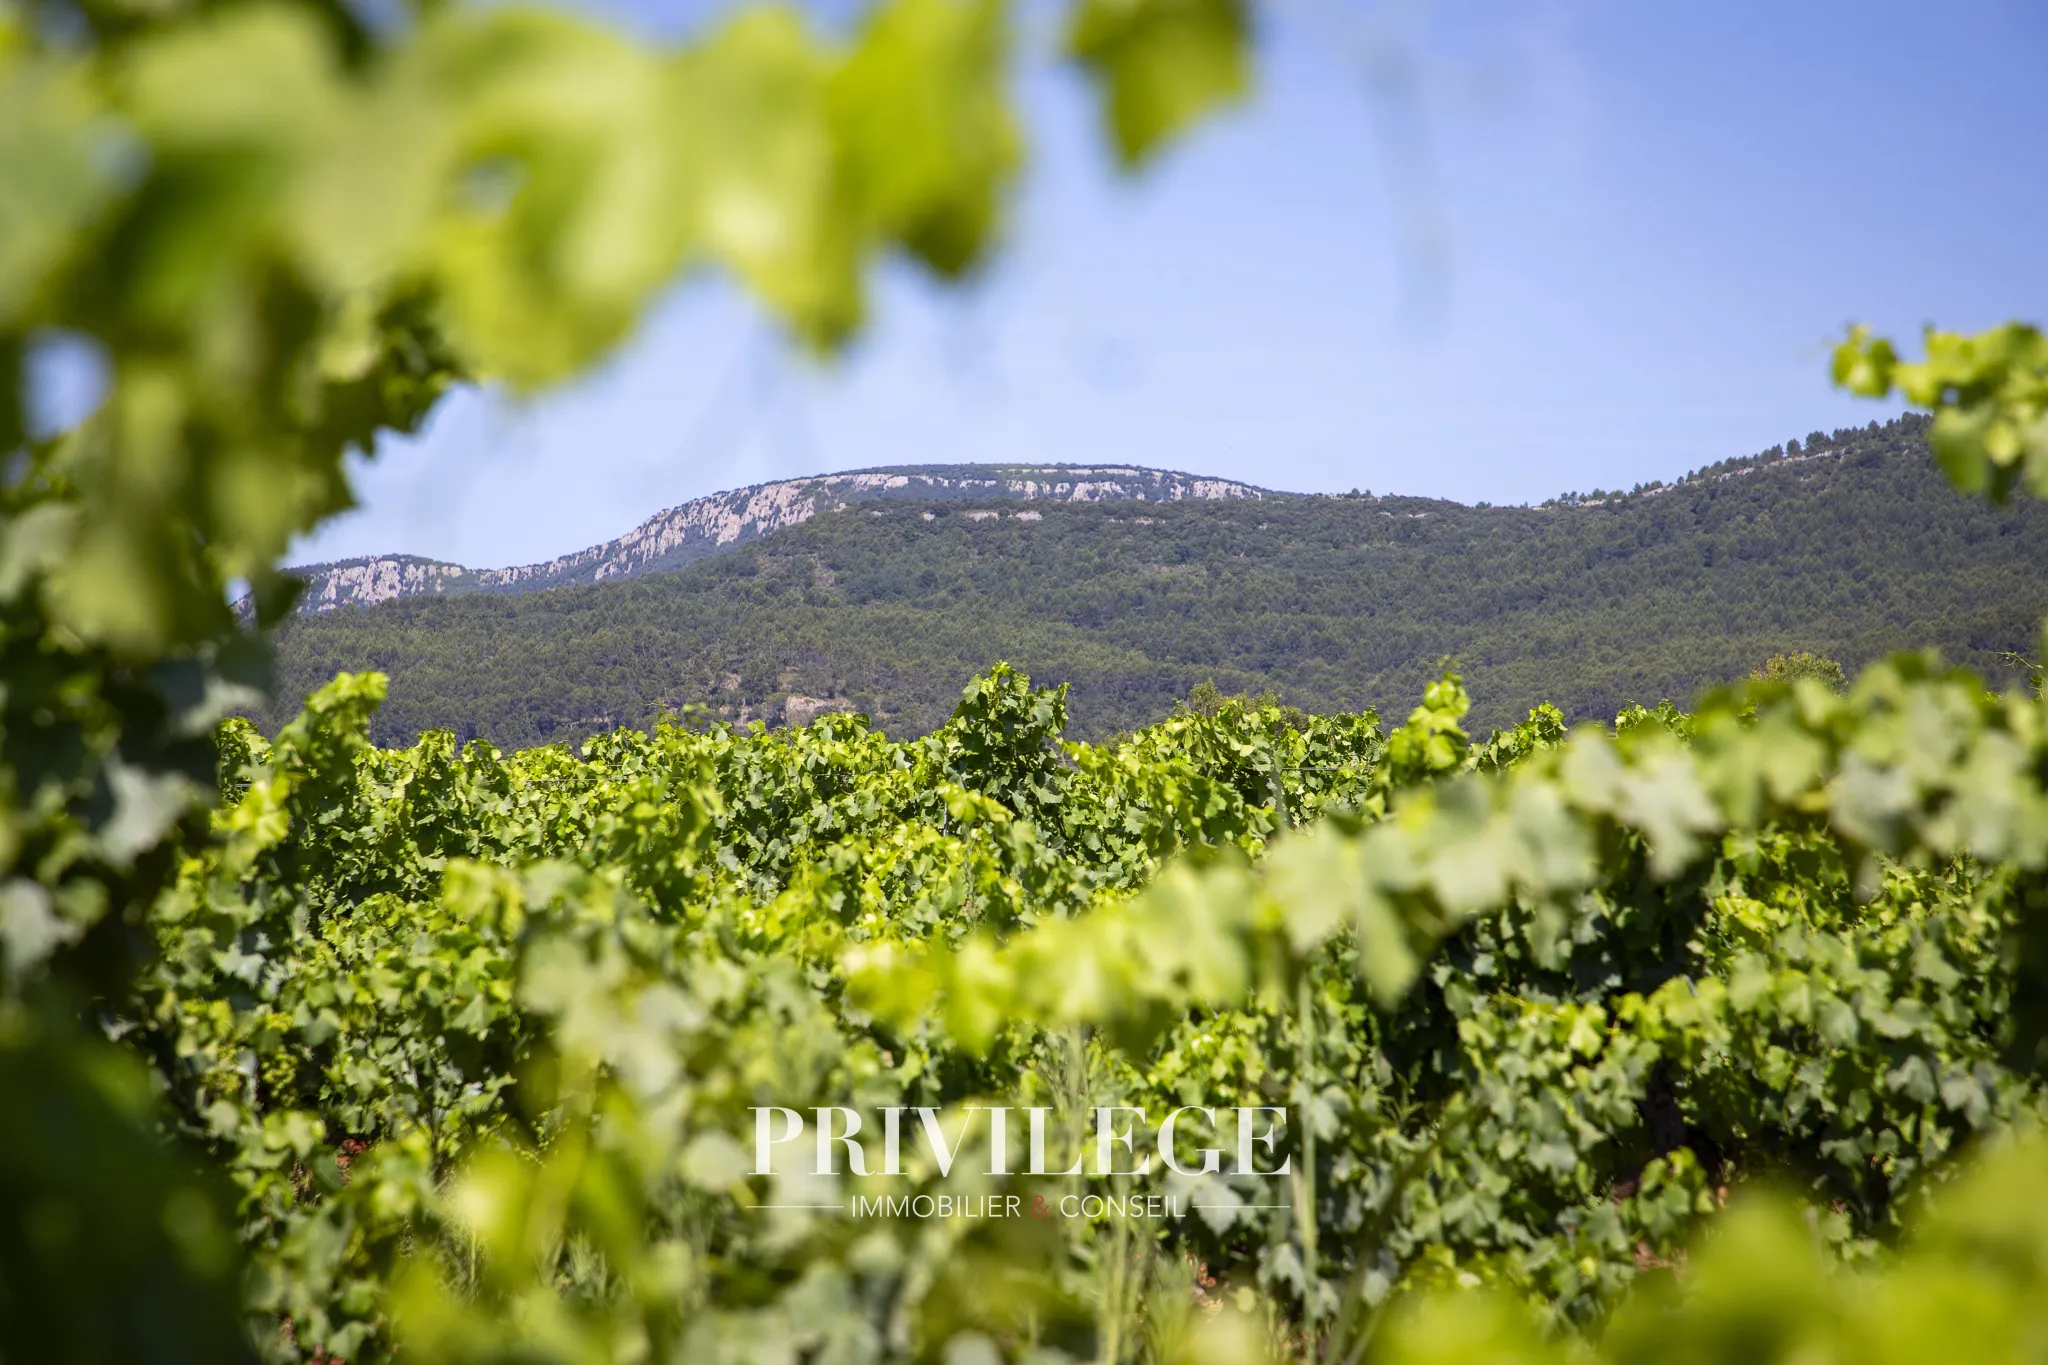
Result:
x=318 y=1051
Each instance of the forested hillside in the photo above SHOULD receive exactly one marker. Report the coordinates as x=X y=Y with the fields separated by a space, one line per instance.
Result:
x=1851 y=546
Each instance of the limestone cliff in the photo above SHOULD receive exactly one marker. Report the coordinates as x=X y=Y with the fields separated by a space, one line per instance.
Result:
x=705 y=526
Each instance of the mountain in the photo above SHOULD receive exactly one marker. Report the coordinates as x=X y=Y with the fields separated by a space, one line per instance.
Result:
x=706 y=526
x=1851 y=545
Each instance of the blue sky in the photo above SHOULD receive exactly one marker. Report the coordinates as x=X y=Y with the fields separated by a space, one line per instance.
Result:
x=1592 y=243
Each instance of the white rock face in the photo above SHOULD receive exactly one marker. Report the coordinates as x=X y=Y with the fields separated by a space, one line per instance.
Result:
x=360 y=582
x=670 y=539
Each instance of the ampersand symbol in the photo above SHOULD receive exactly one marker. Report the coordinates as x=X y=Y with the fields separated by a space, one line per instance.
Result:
x=1039 y=1208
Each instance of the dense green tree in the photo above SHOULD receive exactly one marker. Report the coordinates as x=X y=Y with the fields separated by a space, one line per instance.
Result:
x=1792 y=667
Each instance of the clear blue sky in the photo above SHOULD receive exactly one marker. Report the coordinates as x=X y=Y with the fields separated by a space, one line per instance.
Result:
x=1600 y=242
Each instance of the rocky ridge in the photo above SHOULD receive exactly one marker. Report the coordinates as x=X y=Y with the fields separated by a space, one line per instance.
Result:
x=705 y=526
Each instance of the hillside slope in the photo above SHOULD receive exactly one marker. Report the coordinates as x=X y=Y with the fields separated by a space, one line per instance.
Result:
x=1854 y=549
x=707 y=526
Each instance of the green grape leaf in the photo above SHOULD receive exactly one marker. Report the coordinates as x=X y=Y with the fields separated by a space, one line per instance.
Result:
x=58 y=158
x=1162 y=64
x=766 y=198
x=563 y=204
x=925 y=131
x=1989 y=395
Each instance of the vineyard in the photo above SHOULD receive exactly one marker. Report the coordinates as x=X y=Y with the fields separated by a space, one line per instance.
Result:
x=475 y=1040
x=1712 y=1036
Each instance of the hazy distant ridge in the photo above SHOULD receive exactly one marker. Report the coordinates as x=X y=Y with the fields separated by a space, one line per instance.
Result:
x=705 y=526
